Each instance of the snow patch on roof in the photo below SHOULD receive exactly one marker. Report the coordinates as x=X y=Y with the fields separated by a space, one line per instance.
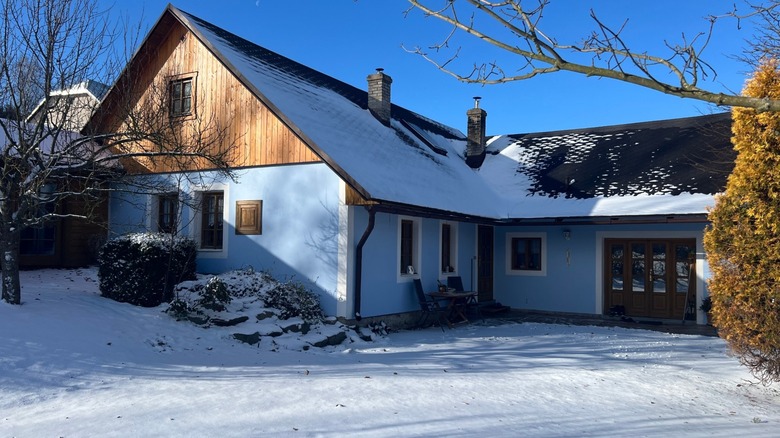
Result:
x=608 y=171
x=390 y=163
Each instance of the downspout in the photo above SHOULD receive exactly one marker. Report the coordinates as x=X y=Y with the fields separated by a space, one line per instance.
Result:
x=359 y=261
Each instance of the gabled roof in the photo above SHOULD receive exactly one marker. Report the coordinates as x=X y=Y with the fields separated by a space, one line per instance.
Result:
x=384 y=163
x=646 y=169
x=660 y=167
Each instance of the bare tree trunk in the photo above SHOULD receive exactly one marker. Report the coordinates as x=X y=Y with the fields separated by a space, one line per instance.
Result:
x=9 y=265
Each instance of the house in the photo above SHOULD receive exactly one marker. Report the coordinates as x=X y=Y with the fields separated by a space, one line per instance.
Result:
x=69 y=240
x=357 y=196
x=71 y=107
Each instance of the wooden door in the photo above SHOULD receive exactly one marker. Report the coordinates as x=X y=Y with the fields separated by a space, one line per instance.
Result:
x=649 y=278
x=485 y=263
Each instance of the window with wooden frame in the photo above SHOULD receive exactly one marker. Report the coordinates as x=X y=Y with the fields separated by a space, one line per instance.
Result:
x=211 y=224
x=180 y=94
x=168 y=213
x=526 y=254
x=449 y=248
x=408 y=246
x=40 y=239
x=249 y=217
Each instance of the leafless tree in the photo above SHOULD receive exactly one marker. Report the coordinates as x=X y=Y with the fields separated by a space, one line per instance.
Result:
x=49 y=45
x=518 y=27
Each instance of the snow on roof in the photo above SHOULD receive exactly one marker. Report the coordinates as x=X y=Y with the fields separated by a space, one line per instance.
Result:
x=662 y=167
x=389 y=162
x=643 y=169
x=94 y=88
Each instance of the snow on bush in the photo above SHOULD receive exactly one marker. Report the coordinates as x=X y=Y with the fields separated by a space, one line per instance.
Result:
x=293 y=299
x=255 y=308
x=211 y=294
x=143 y=268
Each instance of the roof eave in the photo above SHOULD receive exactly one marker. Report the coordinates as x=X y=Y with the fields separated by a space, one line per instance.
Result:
x=677 y=218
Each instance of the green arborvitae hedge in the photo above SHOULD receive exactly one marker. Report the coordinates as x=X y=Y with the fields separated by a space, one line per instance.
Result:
x=143 y=268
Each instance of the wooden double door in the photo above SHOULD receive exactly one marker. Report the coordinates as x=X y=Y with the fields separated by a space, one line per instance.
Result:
x=650 y=277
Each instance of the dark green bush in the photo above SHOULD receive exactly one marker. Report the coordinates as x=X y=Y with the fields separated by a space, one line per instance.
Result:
x=179 y=309
x=215 y=295
x=293 y=299
x=143 y=268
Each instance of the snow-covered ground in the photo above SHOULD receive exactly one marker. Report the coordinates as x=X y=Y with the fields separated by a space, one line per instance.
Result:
x=73 y=364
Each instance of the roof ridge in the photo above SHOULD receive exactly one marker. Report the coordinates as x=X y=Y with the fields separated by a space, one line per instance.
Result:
x=680 y=121
x=356 y=95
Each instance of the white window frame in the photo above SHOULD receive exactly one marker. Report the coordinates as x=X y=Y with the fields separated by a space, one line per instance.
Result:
x=453 y=261
x=508 y=254
x=197 y=218
x=416 y=249
x=153 y=207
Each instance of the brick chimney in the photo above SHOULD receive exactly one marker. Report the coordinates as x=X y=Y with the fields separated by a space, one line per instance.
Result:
x=475 y=144
x=379 y=95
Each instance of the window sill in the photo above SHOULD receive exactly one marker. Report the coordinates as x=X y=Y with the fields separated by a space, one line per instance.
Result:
x=182 y=117
x=404 y=278
x=527 y=273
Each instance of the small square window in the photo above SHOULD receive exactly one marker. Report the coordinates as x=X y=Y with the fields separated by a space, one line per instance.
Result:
x=249 y=217
x=527 y=254
x=180 y=96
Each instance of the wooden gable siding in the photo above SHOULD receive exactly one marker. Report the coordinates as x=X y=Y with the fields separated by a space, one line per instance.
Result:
x=252 y=134
x=352 y=197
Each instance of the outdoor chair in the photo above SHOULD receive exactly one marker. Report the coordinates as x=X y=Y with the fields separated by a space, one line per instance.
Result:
x=429 y=307
x=455 y=283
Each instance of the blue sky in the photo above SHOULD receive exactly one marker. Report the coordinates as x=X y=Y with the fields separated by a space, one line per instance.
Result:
x=348 y=39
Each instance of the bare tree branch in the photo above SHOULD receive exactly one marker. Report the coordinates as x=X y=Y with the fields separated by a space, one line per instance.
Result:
x=610 y=55
x=51 y=45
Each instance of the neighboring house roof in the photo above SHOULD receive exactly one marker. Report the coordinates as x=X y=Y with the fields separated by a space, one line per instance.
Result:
x=90 y=92
x=96 y=90
x=630 y=170
x=661 y=167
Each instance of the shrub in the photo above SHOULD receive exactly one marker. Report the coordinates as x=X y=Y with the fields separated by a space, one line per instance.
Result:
x=741 y=242
x=179 y=309
x=246 y=282
x=293 y=299
x=143 y=268
x=214 y=295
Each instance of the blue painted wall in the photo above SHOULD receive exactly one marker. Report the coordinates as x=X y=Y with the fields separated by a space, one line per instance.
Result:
x=300 y=240
x=573 y=281
x=385 y=290
x=299 y=225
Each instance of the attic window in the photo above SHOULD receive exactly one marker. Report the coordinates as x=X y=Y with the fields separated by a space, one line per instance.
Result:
x=423 y=137
x=180 y=96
